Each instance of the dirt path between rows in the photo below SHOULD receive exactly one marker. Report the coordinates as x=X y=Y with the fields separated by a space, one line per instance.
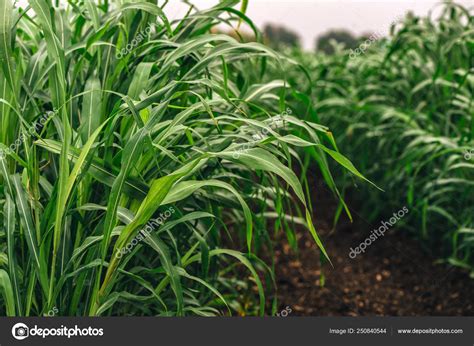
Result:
x=394 y=277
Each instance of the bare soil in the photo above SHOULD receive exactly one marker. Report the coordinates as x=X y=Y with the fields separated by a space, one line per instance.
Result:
x=394 y=277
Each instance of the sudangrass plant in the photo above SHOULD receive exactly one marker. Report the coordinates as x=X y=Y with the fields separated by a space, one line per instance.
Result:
x=403 y=112
x=144 y=115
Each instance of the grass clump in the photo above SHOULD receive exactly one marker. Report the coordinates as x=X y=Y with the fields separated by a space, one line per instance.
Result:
x=144 y=115
x=403 y=112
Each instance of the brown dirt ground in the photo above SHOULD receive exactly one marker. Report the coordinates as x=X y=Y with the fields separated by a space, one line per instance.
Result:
x=394 y=277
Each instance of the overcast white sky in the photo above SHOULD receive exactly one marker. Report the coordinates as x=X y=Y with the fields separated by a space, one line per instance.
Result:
x=310 y=18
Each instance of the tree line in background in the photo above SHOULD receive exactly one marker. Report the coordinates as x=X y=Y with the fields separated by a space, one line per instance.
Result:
x=278 y=36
